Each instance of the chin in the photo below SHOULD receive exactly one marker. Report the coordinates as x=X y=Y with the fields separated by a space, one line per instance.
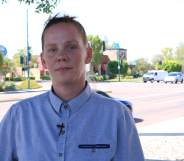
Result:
x=64 y=81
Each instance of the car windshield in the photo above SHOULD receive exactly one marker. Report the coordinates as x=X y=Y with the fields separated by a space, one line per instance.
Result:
x=151 y=73
x=173 y=74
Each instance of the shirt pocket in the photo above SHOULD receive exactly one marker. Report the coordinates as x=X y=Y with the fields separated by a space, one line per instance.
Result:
x=94 y=152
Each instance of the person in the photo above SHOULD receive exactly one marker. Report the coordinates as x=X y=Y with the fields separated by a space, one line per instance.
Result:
x=70 y=122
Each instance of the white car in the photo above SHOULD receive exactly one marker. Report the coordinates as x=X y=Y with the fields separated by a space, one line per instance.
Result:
x=174 y=77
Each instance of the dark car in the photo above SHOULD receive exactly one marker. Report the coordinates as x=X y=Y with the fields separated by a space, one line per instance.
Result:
x=125 y=102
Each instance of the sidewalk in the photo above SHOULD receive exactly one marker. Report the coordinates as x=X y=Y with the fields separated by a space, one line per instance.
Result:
x=163 y=141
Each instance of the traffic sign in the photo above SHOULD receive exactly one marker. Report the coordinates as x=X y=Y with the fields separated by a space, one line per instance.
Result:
x=3 y=50
x=116 y=45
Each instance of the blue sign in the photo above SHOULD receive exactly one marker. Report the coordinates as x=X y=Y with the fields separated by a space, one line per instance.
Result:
x=116 y=45
x=3 y=50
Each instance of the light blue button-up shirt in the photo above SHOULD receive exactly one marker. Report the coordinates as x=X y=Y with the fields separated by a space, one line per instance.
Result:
x=89 y=127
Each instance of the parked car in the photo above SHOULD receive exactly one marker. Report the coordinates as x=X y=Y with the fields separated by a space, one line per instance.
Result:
x=174 y=77
x=155 y=75
x=125 y=102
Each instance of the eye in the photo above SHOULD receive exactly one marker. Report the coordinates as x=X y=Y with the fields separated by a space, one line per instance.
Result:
x=51 y=51
x=72 y=46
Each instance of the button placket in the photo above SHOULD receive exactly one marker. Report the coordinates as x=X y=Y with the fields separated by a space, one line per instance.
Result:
x=63 y=125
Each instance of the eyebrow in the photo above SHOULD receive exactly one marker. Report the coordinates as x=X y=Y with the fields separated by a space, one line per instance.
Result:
x=65 y=43
x=71 y=41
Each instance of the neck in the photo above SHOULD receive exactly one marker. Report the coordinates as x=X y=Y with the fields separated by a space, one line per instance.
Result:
x=68 y=91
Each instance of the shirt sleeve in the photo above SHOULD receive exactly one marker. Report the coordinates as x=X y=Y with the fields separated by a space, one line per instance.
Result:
x=7 y=138
x=128 y=143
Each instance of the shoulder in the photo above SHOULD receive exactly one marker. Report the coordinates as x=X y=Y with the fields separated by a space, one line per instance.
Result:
x=108 y=104
x=28 y=104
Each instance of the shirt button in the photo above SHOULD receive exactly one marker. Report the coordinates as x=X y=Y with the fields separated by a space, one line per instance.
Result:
x=60 y=154
x=65 y=105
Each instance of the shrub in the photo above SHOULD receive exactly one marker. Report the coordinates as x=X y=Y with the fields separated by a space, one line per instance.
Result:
x=10 y=87
x=111 y=75
x=32 y=78
x=1 y=86
x=112 y=68
x=45 y=77
x=99 y=78
x=7 y=86
x=16 y=79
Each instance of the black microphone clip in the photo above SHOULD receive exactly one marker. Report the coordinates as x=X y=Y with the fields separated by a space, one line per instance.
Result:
x=62 y=128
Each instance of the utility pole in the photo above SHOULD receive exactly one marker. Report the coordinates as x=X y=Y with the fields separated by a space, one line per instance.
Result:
x=117 y=47
x=28 y=51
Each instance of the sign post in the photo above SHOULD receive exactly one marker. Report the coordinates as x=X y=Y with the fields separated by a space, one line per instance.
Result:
x=117 y=47
x=28 y=52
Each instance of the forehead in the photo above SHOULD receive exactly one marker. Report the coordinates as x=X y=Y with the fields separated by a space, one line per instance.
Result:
x=61 y=32
x=62 y=28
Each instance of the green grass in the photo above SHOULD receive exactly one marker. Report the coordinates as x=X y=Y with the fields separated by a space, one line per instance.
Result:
x=24 y=85
x=136 y=80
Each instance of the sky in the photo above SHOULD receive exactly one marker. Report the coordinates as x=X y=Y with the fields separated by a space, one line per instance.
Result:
x=143 y=27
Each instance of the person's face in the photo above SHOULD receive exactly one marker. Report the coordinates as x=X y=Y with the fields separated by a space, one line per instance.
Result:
x=64 y=54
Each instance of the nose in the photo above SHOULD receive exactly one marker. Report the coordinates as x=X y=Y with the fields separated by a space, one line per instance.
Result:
x=62 y=56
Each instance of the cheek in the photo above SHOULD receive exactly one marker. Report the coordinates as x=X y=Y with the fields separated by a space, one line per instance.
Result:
x=48 y=64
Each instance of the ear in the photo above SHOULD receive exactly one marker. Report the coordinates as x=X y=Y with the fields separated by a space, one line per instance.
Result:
x=43 y=61
x=89 y=55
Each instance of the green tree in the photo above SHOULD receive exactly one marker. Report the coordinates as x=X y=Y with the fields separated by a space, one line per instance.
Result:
x=171 y=66
x=112 y=68
x=44 y=6
x=157 y=59
x=16 y=57
x=142 y=66
x=179 y=55
x=7 y=67
x=124 y=67
x=167 y=53
x=97 y=44
x=23 y=53
x=34 y=61
x=1 y=59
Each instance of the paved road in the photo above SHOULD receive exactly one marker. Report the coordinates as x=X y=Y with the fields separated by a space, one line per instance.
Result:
x=153 y=102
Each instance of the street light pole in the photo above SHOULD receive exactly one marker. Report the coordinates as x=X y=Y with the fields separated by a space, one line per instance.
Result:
x=117 y=47
x=118 y=57
x=27 y=50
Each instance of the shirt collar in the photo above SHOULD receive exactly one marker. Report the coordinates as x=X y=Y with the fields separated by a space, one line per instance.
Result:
x=75 y=104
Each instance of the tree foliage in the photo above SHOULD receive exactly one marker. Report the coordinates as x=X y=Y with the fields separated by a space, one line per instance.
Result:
x=44 y=6
x=157 y=59
x=7 y=67
x=142 y=65
x=1 y=59
x=97 y=45
x=113 y=67
x=179 y=54
x=23 y=53
x=16 y=57
x=167 y=53
x=170 y=66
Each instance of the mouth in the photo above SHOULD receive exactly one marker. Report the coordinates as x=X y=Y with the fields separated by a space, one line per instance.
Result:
x=63 y=69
